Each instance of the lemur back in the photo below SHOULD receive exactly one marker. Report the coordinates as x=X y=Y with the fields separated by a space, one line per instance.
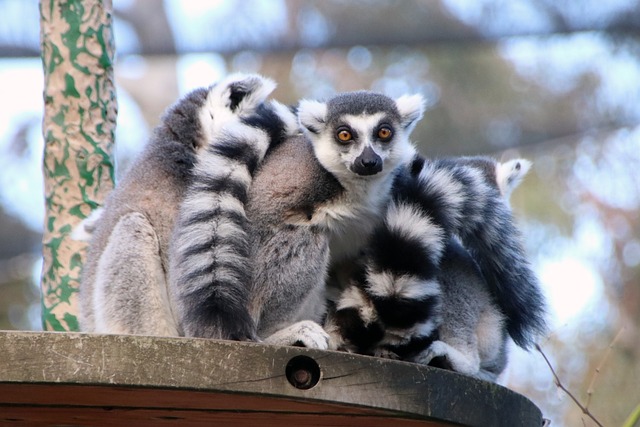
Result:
x=124 y=283
x=132 y=234
x=290 y=257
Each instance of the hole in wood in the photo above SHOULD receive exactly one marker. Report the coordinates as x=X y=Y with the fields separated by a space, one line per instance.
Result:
x=303 y=372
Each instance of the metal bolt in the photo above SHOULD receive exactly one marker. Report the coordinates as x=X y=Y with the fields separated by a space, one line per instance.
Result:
x=302 y=378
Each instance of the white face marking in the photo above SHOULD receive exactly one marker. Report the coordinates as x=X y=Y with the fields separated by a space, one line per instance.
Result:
x=338 y=158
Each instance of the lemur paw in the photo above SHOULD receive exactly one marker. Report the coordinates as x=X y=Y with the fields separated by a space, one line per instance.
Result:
x=385 y=353
x=302 y=334
x=437 y=349
x=442 y=355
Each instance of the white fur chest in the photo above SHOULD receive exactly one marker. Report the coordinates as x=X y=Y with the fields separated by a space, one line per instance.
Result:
x=352 y=218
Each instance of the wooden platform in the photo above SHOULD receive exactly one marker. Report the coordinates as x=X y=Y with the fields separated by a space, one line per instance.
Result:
x=101 y=380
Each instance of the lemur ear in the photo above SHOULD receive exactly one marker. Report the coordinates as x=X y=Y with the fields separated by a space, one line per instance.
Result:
x=510 y=174
x=410 y=108
x=312 y=115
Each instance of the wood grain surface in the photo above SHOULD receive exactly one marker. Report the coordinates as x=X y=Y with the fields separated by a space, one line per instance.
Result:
x=49 y=378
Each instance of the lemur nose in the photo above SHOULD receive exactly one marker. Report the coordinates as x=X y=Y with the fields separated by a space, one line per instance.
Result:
x=368 y=163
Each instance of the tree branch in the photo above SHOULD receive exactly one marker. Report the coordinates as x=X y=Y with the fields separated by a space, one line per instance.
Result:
x=601 y=365
x=556 y=380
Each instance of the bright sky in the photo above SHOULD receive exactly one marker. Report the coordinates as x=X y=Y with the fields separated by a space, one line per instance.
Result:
x=21 y=190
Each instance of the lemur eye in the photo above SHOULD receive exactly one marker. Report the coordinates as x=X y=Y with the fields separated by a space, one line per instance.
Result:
x=384 y=133
x=344 y=135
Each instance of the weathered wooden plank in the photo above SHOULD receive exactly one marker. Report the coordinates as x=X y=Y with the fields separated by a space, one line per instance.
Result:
x=85 y=379
x=34 y=417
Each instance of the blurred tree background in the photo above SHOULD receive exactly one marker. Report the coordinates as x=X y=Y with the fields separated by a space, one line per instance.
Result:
x=556 y=81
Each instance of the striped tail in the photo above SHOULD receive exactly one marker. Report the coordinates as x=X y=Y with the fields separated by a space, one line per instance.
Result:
x=210 y=271
x=483 y=220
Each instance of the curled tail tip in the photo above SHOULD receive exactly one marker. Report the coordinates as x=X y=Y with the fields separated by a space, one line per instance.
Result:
x=241 y=93
x=251 y=83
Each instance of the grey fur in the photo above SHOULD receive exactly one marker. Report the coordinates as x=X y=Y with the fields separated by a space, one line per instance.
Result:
x=124 y=283
x=289 y=256
x=472 y=335
x=142 y=206
x=299 y=207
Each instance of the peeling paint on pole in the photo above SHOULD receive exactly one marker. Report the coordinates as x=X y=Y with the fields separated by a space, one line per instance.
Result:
x=78 y=128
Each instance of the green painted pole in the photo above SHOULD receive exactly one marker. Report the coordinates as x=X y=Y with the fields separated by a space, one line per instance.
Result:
x=78 y=127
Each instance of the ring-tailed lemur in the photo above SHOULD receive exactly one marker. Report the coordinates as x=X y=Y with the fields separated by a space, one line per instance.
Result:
x=135 y=300
x=124 y=283
x=419 y=295
x=306 y=191
x=349 y=202
x=355 y=142
x=353 y=135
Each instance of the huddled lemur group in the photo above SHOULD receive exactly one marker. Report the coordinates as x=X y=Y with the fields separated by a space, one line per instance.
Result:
x=319 y=226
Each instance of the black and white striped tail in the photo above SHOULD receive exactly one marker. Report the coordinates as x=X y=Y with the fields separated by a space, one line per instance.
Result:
x=394 y=305
x=485 y=224
x=210 y=269
x=395 y=302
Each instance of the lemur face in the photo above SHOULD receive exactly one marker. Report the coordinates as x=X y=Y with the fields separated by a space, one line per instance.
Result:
x=363 y=142
x=361 y=134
